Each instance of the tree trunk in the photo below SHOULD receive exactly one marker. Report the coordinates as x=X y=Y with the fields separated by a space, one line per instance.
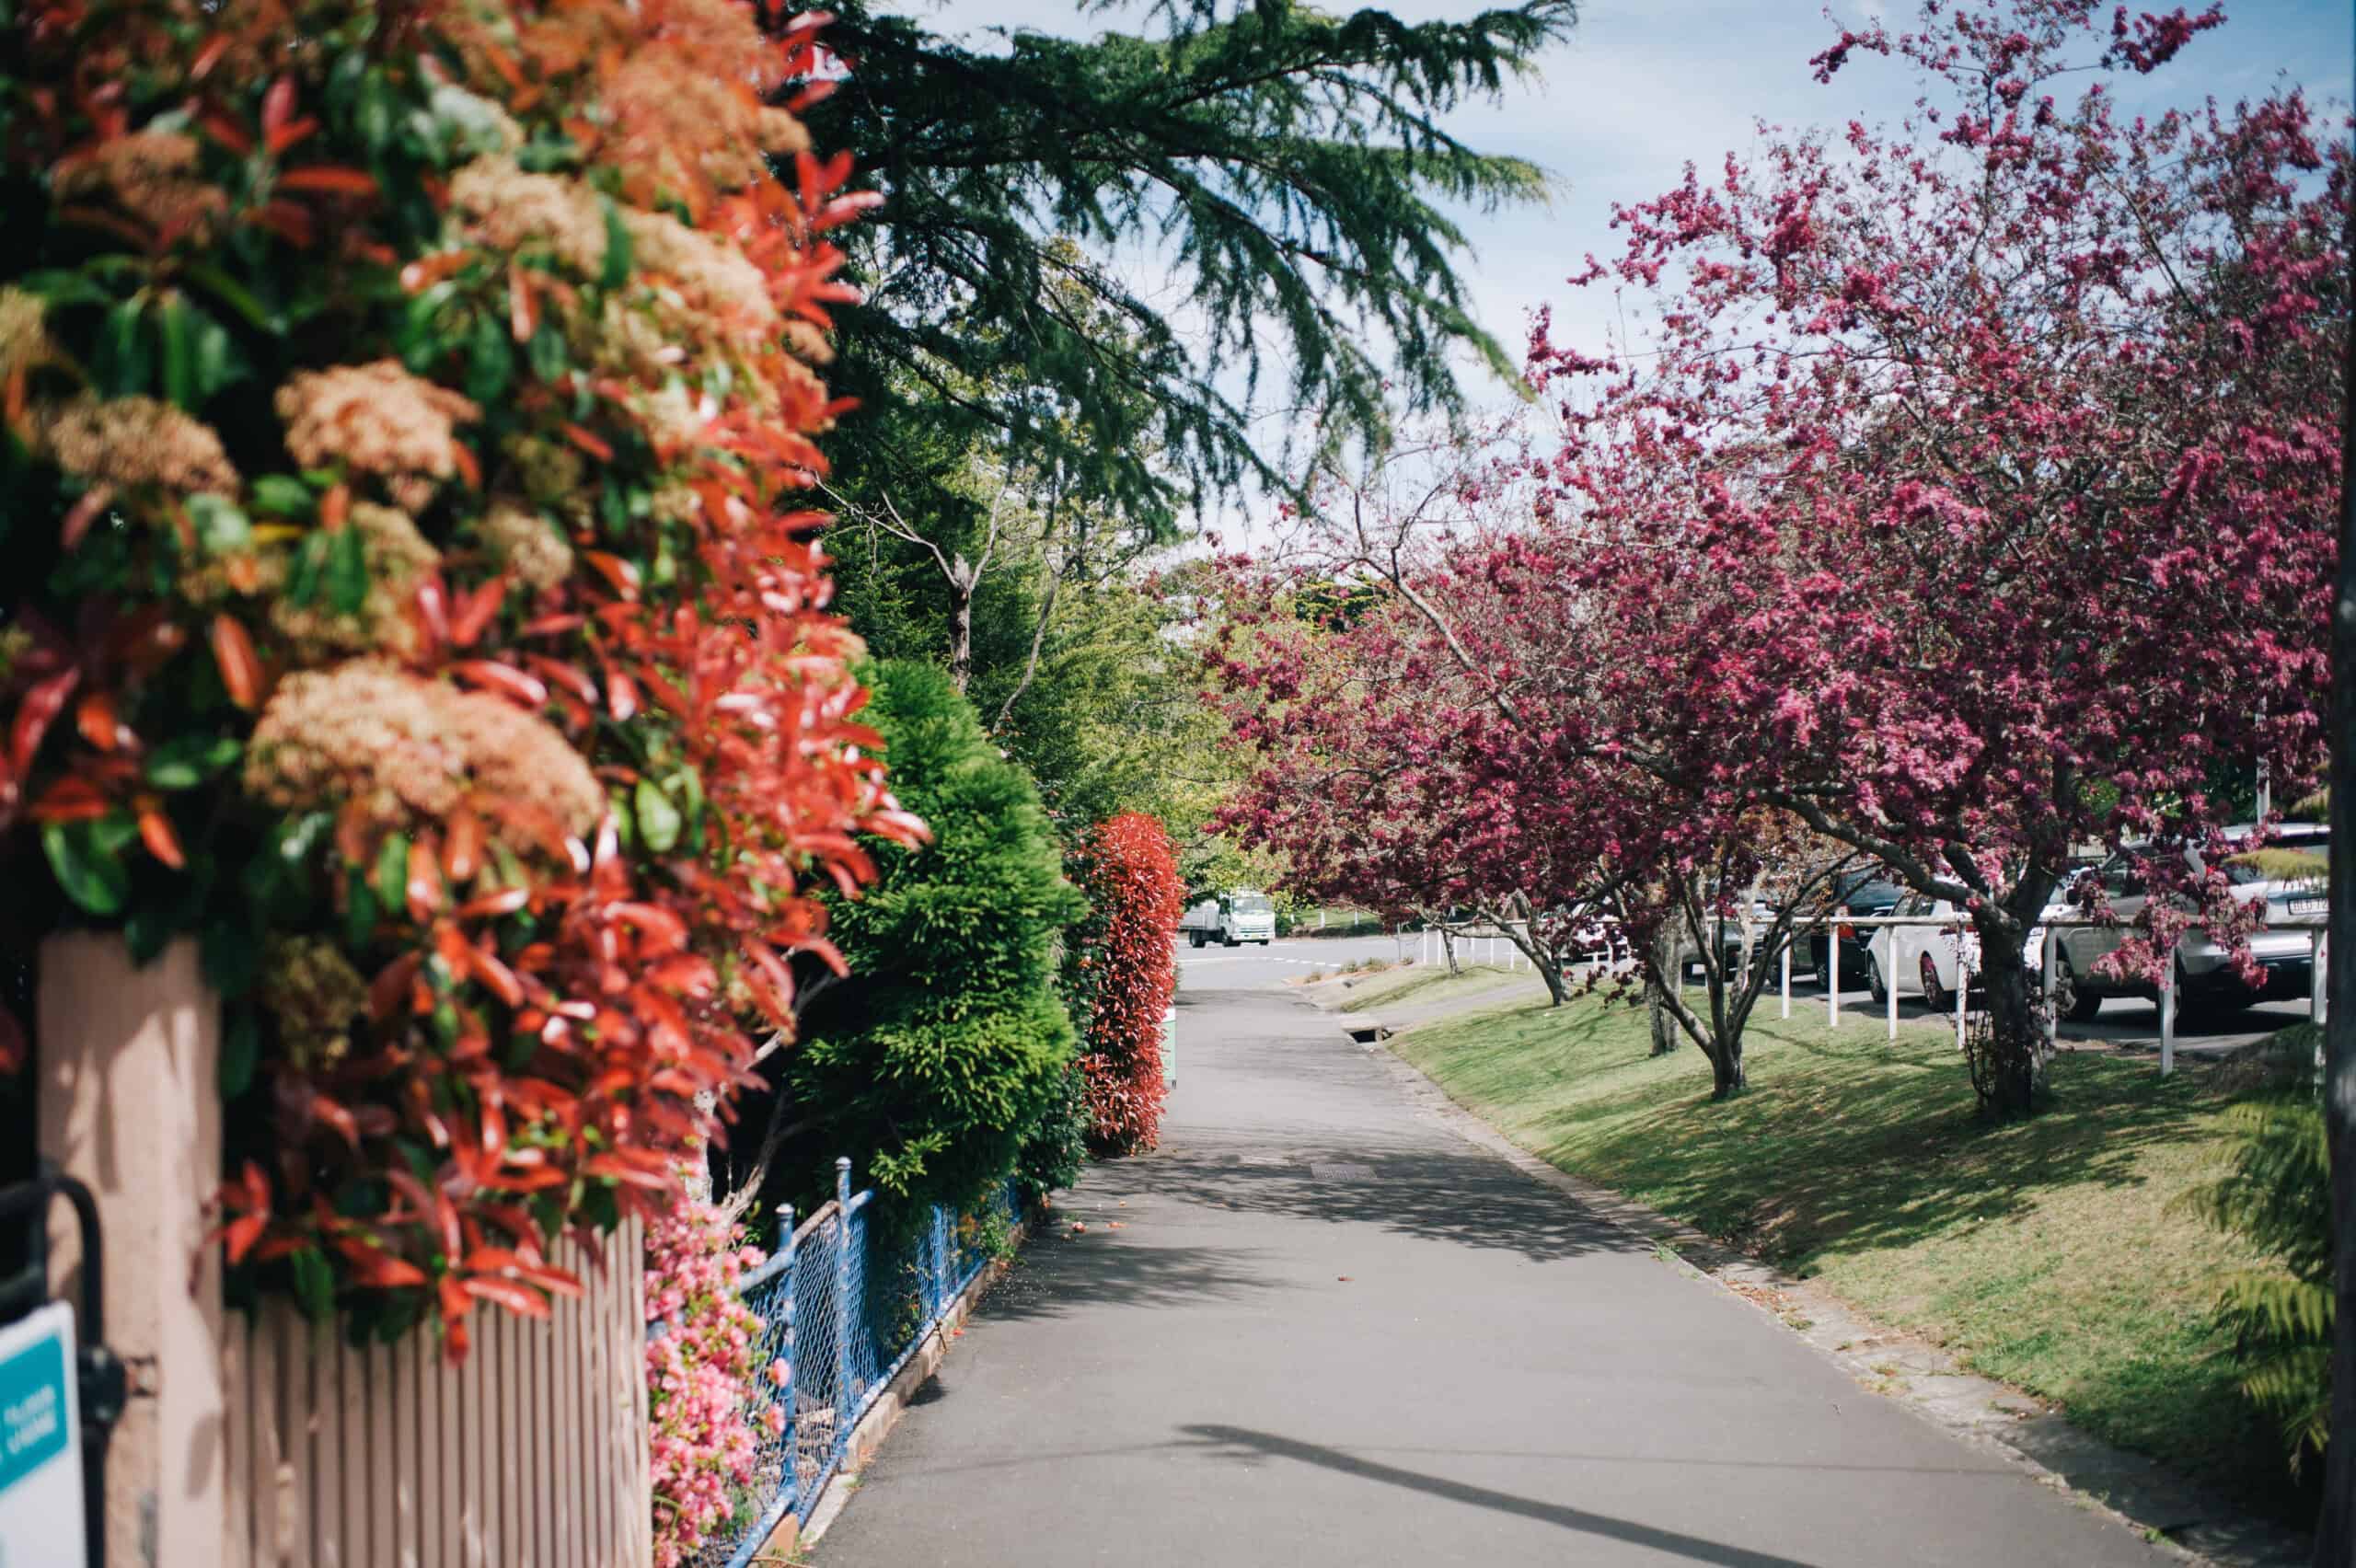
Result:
x=1448 y=947
x=2008 y=1054
x=1522 y=931
x=2336 y=1528
x=961 y=625
x=1727 y=1078
x=1665 y=957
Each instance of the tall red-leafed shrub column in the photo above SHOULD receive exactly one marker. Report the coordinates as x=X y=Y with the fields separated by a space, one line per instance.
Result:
x=1122 y=973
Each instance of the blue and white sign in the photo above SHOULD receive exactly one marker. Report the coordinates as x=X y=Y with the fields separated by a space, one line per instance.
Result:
x=41 y=1444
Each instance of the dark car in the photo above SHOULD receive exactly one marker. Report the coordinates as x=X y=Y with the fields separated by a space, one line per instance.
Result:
x=1858 y=892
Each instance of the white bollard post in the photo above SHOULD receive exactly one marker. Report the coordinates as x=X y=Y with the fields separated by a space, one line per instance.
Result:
x=1888 y=990
x=1832 y=986
x=1787 y=979
x=2052 y=1022
x=2167 y=1020
x=1962 y=986
x=2315 y=975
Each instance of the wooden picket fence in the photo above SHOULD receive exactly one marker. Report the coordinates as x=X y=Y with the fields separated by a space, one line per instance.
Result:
x=530 y=1454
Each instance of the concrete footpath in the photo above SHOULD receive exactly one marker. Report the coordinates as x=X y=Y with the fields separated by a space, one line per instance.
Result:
x=1318 y=1328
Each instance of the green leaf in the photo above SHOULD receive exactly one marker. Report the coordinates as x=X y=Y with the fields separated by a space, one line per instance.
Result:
x=282 y=495
x=392 y=870
x=57 y=286
x=618 y=247
x=625 y=822
x=217 y=361
x=313 y=1283
x=236 y=296
x=229 y=954
x=241 y=1051
x=174 y=329
x=185 y=761
x=147 y=930
x=490 y=363
x=121 y=365
x=347 y=571
x=360 y=913
x=91 y=875
x=303 y=577
x=550 y=360
x=658 y=818
x=222 y=525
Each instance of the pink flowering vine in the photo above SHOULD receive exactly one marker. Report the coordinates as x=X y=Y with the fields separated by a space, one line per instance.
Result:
x=704 y=1397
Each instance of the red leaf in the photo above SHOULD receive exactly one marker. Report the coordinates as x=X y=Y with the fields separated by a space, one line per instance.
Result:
x=325 y=179
x=278 y=104
x=233 y=651
x=475 y=610
x=95 y=718
x=615 y=570
x=462 y=850
x=335 y=1114
x=35 y=714
x=520 y=1299
x=155 y=832
x=588 y=443
x=506 y=679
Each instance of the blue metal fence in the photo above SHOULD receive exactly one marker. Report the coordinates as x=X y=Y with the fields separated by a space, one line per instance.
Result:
x=842 y=1308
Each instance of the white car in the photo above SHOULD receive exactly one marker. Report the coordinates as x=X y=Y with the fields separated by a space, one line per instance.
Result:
x=1931 y=961
x=2204 y=971
x=1928 y=962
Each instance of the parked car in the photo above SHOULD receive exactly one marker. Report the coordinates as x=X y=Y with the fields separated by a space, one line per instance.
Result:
x=1856 y=892
x=2205 y=973
x=1928 y=962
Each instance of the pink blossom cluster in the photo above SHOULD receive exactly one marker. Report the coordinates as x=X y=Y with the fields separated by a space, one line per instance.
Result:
x=701 y=1392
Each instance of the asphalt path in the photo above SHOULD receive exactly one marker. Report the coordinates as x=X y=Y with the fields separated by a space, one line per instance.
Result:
x=1317 y=1328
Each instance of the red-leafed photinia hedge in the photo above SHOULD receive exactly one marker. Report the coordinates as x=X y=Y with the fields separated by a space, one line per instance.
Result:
x=1124 y=970
x=409 y=408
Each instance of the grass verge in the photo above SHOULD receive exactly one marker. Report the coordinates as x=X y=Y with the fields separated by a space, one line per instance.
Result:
x=2049 y=1253
x=1425 y=983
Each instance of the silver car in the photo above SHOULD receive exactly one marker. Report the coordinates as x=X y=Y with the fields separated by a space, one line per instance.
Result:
x=2277 y=876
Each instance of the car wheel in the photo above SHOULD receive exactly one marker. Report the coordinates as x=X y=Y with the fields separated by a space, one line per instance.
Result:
x=1874 y=981
x=1230 y=942
x=1935 y=996
x=2071 y=1000
x=1194 y=940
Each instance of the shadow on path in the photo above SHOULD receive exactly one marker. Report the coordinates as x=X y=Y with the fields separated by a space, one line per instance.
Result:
x=1242 y=1443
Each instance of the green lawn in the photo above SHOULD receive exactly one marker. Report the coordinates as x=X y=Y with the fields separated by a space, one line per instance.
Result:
x=1424 y=983
x=2045 y=1252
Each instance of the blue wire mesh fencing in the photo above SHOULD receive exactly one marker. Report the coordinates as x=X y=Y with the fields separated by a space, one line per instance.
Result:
x=843 y=1304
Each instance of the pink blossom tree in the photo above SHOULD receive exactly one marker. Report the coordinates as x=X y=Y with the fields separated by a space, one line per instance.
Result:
x=1973 y=495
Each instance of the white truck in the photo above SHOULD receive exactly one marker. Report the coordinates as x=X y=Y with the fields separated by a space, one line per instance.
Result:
x=1239 y=915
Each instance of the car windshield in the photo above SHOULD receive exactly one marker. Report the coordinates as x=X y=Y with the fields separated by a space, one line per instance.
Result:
x=1253 y=903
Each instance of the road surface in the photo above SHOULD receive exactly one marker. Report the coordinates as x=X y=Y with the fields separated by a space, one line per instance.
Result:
x=1319 y=1329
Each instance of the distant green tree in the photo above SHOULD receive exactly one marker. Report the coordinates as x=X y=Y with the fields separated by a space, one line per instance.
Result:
x=1285 y=166
x=931 y=1063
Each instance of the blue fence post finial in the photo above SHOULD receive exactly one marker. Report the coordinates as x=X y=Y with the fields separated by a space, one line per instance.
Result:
x=844 y=1401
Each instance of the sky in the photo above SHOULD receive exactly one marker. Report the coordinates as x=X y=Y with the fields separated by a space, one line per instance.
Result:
x=1644 y=86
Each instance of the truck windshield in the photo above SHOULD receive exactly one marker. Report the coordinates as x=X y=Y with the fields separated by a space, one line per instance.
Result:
x=1253 y=903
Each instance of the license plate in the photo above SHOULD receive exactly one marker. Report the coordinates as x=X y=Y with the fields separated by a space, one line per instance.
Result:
x=2309 y=906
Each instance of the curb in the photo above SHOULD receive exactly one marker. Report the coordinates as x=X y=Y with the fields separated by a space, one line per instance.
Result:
x=867 y=1437
x=2136 y=1492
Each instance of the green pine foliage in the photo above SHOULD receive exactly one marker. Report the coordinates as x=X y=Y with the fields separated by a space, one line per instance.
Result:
x=948 y=1043
x=1285 y=163
x=2277 y=1197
